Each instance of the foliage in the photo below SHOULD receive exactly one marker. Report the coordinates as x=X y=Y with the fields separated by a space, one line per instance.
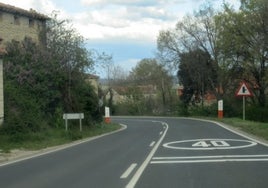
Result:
x=195 y=71
x=152 y=78
x=51 y=137
x=42 y=81
x=243 y=41
x=236 y=46
x=256 y=113
x=255 y=128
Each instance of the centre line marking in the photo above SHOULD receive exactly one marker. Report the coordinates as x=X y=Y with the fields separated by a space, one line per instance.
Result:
x=128 y=171
x=152 y=143
x=137 y=175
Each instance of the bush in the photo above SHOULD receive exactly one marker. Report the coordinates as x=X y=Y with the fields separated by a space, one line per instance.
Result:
x=22 y=111
x=232 y=107
x=257 y=113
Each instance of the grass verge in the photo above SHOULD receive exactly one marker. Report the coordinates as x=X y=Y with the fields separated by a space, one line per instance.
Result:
x=52 y=137
x=258 y=129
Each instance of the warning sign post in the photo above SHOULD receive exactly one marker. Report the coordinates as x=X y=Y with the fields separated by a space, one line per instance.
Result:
x=244 y=91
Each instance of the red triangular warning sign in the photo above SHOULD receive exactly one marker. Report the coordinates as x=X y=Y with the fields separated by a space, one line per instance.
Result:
x=243 y=90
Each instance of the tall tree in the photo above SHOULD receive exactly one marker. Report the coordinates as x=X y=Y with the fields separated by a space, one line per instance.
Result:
x=244 y=42
x=196 y=31
x=71 y=58
x=149 y=72
x=43 y=81
x=194 y=73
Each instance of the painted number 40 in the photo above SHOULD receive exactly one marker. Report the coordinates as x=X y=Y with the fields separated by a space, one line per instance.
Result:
x=211 y=143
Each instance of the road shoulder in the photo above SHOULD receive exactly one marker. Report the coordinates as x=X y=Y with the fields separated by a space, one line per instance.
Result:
x=17 y=155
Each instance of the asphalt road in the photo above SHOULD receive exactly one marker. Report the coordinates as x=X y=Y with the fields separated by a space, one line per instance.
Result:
x=151 y=152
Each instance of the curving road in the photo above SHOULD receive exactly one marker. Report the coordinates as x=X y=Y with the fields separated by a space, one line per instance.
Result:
x=151 y=152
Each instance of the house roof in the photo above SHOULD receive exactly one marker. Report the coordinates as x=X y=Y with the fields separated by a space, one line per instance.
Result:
x=15 y=10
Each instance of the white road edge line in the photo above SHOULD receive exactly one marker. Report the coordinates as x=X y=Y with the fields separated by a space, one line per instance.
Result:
x=152 y=144
x=138 y=173
x=232 y=130
x=128 y=171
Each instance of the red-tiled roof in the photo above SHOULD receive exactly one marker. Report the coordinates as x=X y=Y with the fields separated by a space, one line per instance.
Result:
x=15 y=10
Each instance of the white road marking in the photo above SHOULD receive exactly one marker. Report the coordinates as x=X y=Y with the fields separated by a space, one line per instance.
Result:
x=209 y=144
x=212 y=156
x=209 y=159
x=240 y=133
x=152 y=143
x=128 y=171
x=138 y=173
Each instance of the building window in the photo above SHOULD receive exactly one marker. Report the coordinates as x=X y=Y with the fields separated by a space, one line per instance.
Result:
x=16 y=20
x=31 y=23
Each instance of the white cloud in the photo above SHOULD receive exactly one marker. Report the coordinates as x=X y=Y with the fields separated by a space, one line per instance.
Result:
x=120 y=21
x=42 y=6
x=135 y=19
x=138 y=20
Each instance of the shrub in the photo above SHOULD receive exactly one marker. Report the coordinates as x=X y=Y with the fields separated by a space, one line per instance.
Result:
x=257 y=113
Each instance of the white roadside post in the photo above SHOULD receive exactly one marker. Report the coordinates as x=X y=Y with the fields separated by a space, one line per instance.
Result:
x=220 y=109
x=107 y=115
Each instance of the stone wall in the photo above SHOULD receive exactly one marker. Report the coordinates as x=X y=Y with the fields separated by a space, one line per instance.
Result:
x=17 y=27
x=16 y=24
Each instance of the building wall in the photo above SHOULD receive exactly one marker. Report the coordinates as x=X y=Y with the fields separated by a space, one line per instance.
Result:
x=1 y=92
x=16 y=24
x=17 y=27
x=93 y=80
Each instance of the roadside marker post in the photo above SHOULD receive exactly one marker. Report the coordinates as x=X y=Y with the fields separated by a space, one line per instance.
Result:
x=107 y=115
x=244 y=91
x=220 y=109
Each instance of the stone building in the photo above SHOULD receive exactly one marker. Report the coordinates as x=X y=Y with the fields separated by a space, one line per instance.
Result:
x=93 y=80
x=16 y=24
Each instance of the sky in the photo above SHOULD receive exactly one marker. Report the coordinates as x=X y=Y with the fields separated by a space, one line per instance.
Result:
x=125 y=29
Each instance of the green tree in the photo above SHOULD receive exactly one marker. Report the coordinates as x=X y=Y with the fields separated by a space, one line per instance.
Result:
x=194 y=31
x=243 y=42
x=195 y=70
x=42 y=80
x=149 y=72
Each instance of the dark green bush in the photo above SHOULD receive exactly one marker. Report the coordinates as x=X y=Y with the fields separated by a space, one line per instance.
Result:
x=257 y=113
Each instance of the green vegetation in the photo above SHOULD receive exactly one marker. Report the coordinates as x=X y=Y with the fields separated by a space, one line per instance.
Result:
x=44 y=80
x=51 y=137
x=214 y=50
x=255 y=128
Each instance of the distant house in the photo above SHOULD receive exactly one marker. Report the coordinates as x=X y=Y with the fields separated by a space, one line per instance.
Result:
x=178 y=88
x=208 y=98
x=16 y=24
